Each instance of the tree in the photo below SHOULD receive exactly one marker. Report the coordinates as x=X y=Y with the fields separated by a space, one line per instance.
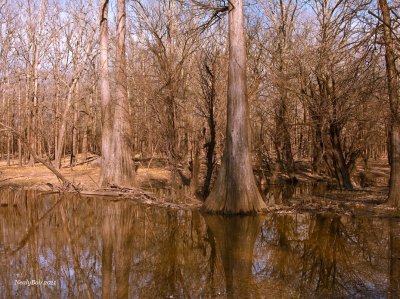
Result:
x=392 y=86
x=105 y=93
x=282 y=18
x=80 y=44
x=235 y=190
x=120 y=168
x=209 y=75
x=171 y=54
x=337 y=79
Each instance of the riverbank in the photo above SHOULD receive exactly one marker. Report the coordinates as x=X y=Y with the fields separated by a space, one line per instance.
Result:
x=85 y=175
x=152 y=179
x=310 y=193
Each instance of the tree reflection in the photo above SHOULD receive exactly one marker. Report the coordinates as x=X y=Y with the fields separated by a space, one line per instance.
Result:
x=117 y=235
x=107 y=252
x=321 y=254
x=235 y=238
x=95 y=247
x=394 y=276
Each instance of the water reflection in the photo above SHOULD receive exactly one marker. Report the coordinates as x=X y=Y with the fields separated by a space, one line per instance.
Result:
x=283 y=193
x=394 y=280
x=97 y=248
x=235 y=238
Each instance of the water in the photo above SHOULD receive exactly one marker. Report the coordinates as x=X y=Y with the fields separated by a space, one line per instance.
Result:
x=93 y=248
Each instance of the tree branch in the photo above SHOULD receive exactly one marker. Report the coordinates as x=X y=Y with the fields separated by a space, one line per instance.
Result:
x=47 y=164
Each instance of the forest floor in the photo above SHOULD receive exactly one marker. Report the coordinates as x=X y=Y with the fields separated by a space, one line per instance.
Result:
x=84 y=175
x=368 y=196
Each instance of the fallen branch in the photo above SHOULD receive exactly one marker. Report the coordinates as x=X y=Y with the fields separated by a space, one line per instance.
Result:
x=15 y=177
x=88 y=160
x=66 y=183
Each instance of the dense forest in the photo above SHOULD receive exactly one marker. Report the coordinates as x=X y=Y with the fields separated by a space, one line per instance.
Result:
x=218 y=89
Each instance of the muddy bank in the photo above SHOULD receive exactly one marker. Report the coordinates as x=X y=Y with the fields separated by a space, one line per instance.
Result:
x=308 y=192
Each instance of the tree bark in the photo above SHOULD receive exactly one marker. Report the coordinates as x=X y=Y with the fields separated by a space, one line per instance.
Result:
x=235 y=190
x=74 y=148
x=339 y=163
x=19 y=118
x=63 y=124
x=106 y=107
x=120 y=168
x=34 y=114
x=392 y=77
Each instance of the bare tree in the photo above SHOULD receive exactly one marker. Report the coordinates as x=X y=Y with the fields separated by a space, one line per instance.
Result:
x=120 y=168
x=235 y=190
x=106 y=108
x=80 y=44
x=392 y=84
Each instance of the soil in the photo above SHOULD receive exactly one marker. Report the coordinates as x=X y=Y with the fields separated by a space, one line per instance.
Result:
x=84 y=175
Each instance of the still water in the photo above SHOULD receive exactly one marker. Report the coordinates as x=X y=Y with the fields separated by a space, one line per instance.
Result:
x=81 y=247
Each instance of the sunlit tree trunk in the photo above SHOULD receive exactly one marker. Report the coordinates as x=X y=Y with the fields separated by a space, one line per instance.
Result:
x=120 y=168
x=74 y=149
x=394 y=135
x=235 y=190
x=8 y=120
x=19 y=118
x=106 y=108
x=123 y=163
x=63 y=124
x=35 y=68
x=85 y=137
x=27 y=108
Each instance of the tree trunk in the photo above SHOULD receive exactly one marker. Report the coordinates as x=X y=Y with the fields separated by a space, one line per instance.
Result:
x=195 y=160
x=85 y=137
x=210 y=153
x=63 y=125
x=57 y=112
x=235 y=190
x=106 y=107
x=209 y=77
x=339 y=163
x=9 y=108
x=19 y=118
x=283 y=143
x=75 y=140
x=34 y=113
x=392 y=77
x=27 y=109
x=120 y=169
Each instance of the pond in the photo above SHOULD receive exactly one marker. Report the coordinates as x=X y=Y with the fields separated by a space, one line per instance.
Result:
x=67 y=246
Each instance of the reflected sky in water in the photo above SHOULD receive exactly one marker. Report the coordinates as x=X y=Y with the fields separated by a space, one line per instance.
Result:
x=98 y=248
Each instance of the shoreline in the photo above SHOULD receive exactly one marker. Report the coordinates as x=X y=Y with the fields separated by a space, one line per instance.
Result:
x=361 y=201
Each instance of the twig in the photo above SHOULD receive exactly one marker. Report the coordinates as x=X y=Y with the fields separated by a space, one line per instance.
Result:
x=93 y=181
